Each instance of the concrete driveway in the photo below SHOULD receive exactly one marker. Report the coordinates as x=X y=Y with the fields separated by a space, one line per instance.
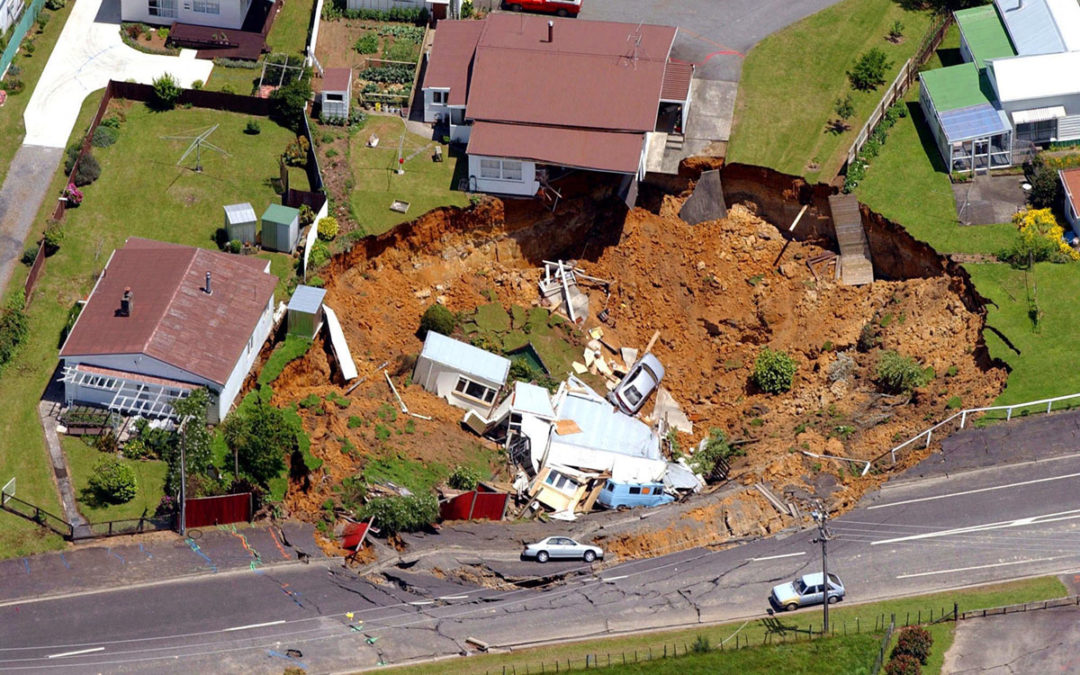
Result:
x=89 y=54
x=1042 y=641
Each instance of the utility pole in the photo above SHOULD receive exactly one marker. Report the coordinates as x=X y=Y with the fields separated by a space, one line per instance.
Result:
x=821 y=517
x=183 y=478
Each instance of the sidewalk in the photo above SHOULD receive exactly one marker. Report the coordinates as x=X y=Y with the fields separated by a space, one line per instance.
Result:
x=127 y=561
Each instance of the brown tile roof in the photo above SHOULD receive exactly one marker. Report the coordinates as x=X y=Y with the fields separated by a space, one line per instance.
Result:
x=593 y=74
x=581 y=148
x=336 y=79
x=173 y=319
x=451 y=57
x=1071 y=179
x=677 y=78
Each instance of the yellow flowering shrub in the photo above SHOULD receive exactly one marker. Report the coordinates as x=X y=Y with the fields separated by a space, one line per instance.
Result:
x=1035 y=224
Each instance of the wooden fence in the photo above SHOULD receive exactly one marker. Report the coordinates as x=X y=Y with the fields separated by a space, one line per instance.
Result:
x=879 y=660
x=904 y=79
x=221 y=510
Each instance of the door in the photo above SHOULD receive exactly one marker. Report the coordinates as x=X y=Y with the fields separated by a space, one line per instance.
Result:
x=563 y=548
x=812 y=596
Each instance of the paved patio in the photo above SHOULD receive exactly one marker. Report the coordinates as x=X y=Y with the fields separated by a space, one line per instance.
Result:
x=989 y=199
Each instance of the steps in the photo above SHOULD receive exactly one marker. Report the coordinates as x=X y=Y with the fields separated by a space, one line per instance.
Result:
x=675 y=141
x=855 y=266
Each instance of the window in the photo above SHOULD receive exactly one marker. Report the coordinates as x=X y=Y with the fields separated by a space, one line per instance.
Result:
x=467 y=387
x=635 y=490
x=562 y=483
x=162 y=8
x=490 y=168
x=206 y=6
x=439 y=97
x=511 y=170
x=457 y=116
x=501 y=169
x=610 y=487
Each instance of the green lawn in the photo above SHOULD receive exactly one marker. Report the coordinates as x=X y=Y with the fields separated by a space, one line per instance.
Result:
x=425 y=184
x=791 y=80
x=30 y=66
x=149 y=478
x=907 y=182
x=290 y=30
x=852 y=618
x=235 y=80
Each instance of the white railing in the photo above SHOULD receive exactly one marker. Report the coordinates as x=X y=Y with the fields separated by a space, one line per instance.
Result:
x=928 y=434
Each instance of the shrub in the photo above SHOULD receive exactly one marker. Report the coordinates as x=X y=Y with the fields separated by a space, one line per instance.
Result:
x=774 y=371
x=401 y=50
x=903 y=665
x=55 y=4
x=368 y=43
x=1045 y=186
x=288 y=103
x=439 y=319
x=234 y=246
x=897 y=30
x=845 y=108
x=401 y=514
x=899 y=374
x=296 y=153
x=136 y=448
x=914 y=641
x=13 y=85
x=42 y=21
x=392 y=74
x=700 y=645
x=166 y=92
x=87 y=170
x=869 y=71
x=29 y=254
x=73 y=195
x=197 y=84
x=954 y=403
x=463 y=478
x=1039 y=238
x=14 y=327
x=262 y=438
x=113 y=481
x=320 y=255
x=54 y=236
x=305 y=215
x=716 y=448
x=328 y=228
x=869 y=336
x=104 y=136
x=252 y=128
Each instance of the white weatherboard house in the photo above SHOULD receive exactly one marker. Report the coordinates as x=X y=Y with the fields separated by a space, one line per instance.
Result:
x=1017 y=89
x=216 y=13
x=467 y=377
x=9 y=13
x=164 y=319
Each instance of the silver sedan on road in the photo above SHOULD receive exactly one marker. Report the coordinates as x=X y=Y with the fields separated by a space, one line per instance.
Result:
x=807 y=590
x=561 y=547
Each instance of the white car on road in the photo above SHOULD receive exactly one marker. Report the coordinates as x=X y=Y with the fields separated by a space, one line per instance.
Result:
x=562 y=547
x=807 y=590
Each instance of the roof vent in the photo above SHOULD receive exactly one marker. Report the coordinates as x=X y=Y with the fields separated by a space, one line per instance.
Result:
x=126 y=301
x=551 y=31
x=207 y=288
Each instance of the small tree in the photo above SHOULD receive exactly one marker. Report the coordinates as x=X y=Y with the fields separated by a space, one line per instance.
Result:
x=897 y=31
x=716 y=448
x=112 y=481
x=869 y=71
x=774 y=371
x=1045 y=186
x=87 y=170
x=1039 y=238
x=328 y=228
x=166 y=92
x=463 y=478
x=914 y=641
x=289 y=103
x=845 y=108
x=899 y=374
x=439 y=319
x=903 y=665
x=14 y=327
x=194 y=440
x=261 y=437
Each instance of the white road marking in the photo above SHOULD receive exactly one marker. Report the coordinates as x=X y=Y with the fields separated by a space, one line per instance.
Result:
x=776 y=557
x=254 y=625
x=971 y=492
x=81 y=651
x=1037 y=520
x=978 y=567
x=609 y=580
x=417 y=603
x=454 y=597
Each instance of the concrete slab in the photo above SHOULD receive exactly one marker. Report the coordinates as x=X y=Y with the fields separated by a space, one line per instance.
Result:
x=989 y=199
x=1042 y=641
x=24 y=189
x=705 y=203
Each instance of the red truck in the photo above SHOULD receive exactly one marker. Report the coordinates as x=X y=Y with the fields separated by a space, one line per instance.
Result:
x=559 y=7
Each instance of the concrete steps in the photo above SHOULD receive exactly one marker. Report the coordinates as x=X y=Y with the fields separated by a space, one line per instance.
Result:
x=856 y=268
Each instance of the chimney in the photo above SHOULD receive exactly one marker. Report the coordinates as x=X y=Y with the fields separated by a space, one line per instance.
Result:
x=126 y=301
x=208 y=289
x=551 y=31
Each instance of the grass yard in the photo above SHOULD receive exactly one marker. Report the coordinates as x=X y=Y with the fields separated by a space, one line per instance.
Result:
x=791 y=80
x=149 y=479
x=907 y=182
x=233 y=80
x=425 y=184
x=995 y=595
x=12 y=128
x=1044 y=366
x=289 y=34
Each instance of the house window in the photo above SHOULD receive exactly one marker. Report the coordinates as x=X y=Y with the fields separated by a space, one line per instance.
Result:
x=562 y=483
x=467 y=387
x=162 y=8
x=501 y=169
x=457 y=116
x=206 y=6
x=439 y=97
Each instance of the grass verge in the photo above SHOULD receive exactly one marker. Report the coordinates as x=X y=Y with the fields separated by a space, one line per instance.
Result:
x=289 y=33
x=149 y=479
x=857 y=618
x=791 y=80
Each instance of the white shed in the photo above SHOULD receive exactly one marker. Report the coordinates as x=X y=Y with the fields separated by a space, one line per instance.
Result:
x=466 y=376
x=336 y=93
x=241 y=223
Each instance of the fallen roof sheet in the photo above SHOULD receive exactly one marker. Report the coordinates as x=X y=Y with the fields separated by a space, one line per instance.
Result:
x=532 y=399
x=341 y=347
x=465 y=357
x=605 y=428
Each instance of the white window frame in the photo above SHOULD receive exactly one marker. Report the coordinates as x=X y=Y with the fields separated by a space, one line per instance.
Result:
x=206 y=6
x=439 y=97
x=510 y=170
x=462 y=386
x=165 y=9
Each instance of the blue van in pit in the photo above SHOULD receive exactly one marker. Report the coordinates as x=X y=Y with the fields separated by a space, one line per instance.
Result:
x=617 y=494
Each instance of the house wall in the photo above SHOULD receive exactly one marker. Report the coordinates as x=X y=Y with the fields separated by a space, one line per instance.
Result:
x=1070 y=102
x=553 y=498
x=231 y=13
x=622 y=466
x=331 y=108
x=9 y=13
x=930 y=115
x=432 y=110
x=244 y=363
x=1071 y=216
x=527 y=186
x=440 y=379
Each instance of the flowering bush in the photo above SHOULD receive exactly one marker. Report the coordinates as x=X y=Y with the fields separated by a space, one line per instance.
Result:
x=1038 y=239
x=73 y=195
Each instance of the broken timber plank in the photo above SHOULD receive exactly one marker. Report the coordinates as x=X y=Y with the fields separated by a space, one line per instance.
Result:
x=652 y=341
x=855 y=266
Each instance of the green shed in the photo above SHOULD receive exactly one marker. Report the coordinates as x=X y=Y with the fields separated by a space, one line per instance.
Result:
x=280 y=228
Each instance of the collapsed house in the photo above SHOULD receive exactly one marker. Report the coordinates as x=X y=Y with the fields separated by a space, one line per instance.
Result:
x=466 y=376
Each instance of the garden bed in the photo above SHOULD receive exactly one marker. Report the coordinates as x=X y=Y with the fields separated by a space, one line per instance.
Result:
x=382 y=54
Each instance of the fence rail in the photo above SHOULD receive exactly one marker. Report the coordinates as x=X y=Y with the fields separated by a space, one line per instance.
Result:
x=115 y=528
x=13 y=504
x=1068 y=601
x=879 y=660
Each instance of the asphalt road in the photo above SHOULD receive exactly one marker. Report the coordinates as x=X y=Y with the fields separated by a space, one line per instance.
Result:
x=983 y=526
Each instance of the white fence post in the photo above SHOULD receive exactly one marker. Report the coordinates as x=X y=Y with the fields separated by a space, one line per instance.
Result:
x=963 y=419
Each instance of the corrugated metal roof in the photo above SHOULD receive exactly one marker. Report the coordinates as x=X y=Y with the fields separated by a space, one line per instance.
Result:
x=1031 y=26
x=1024 y=78
x=984 y=33
x=605 y=428
x=529 y=398
x=959 y=86
x=978 y=121
x=464 y=357
x=677 y=78
x=240 y=213
x=307 y=299
x=578 y=148
x=276 y=213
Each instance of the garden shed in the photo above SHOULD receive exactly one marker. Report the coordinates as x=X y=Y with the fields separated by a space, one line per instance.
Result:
x=280 y=228
x=466 y=376
x=306 y=311
x=336 y=93
x=241 y=223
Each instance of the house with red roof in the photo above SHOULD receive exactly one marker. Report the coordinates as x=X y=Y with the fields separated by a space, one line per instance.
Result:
x=164 y=319
x=1070 y=183
x=533 y=95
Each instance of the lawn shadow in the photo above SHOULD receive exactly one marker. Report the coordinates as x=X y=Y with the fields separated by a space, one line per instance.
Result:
x=950 y=56
x=926 y=137
x=461 y=169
